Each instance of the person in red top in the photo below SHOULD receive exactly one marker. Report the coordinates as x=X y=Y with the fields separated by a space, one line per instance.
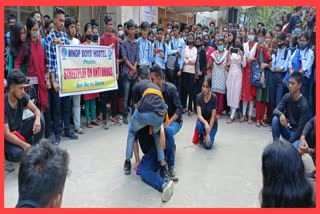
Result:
x=109 y=39
x=37 y=74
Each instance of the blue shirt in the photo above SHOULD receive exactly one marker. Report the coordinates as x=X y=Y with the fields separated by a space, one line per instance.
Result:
x=145 y=52
x=279 y=60
x=129 y=52
x=162 y=46
x=178 y=45
x=307 y=59
x=51 y=50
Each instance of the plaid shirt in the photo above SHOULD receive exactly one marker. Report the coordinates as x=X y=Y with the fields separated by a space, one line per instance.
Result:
x=51 y=50
x=129 y=52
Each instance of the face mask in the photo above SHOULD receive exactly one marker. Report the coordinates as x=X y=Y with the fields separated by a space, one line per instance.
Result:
x=206 y=44
x=154 y=31
x=169 y=30
x=251 y=38
x=151 y=40
x=89 y=36
x=220 y=47
x=120 y=32
x=260 y=39
x=302 y=47
x=190 y=43
x=237 y=46
x=304 y=12
x=211 y=31
x=197 y=46
x=95 y=37
x=204 y=33
x=280 y=45
x=136 y=35
x=35 y=35
x=297 y=30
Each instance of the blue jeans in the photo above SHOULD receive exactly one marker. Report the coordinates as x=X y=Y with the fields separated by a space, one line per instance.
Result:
x=286 y=133
x=137 y=122
x=170 y=131
x=149 y=167
x=201 y=130
x=127 y=89
x=60 y=104
x=276 y=89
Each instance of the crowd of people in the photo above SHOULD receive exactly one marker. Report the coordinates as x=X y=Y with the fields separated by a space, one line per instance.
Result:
x=164 y=72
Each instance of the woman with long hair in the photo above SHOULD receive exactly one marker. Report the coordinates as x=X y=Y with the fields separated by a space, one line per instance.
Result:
x=207 y=124
x=33 y=54
x=18 y=34
x=209 y=50
x=284 y=181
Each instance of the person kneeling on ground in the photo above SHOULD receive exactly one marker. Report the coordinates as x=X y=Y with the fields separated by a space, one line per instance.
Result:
x=16 y=130
x=207 y=124
x=284 y=181
x=149 y=165
x=42 y=176
x=291 y=114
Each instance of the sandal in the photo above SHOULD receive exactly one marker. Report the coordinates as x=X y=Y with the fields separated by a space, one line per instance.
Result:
x=95 y=123
x=190 y=113
x=263 y=124
x=258 y=124
x=242 y=119
x=89 y=125
x=250 y=120
x=229 y=121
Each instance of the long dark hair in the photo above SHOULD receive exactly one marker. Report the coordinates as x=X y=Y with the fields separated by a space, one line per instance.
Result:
x=284 y=181
x=231 y=44
x=30 y=23
x=15 y=40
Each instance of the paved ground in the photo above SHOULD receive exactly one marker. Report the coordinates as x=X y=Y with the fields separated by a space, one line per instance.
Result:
x=229 y=175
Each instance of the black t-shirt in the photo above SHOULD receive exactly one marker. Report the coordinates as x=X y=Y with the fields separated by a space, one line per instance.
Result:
x=172 y=99
x=13 y=117
x=148 y=103
x=206 y=108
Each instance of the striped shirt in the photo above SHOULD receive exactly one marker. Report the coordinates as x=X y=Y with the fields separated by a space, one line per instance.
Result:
x=129 y=52
x=51 y=50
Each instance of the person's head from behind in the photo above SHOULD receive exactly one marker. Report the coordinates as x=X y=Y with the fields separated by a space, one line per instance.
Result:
x=15 y=84
x=295 y=83
x=284 y=182
x=143 y=73
x=156 y=75
x=59 y=18
x=206 y=86
x=42 y=175
x=70 y=25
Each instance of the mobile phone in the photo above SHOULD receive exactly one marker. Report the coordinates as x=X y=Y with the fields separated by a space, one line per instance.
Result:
x=234 y=50
x=157 y=51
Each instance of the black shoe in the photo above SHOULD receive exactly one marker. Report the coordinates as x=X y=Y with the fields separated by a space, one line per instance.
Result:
x=172 y=173
x=127 y=167
x=164 y=172
x=125 y=120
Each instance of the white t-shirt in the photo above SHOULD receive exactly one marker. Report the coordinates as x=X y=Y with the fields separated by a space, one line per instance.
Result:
x=74 y=41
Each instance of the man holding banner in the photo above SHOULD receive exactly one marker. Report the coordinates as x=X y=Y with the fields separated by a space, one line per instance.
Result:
x=58 y=37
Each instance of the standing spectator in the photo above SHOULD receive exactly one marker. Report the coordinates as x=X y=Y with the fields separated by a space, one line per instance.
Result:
x=243 y=33
x=109 y=39
x=295 y=17
x=237 y=62
x=129 y=72
x=160 y=51
x=176 y=46
x=231 y=39
x=219 y=74
x=11 y=21
x=58 y=36
x=70 y=26
x=260 y=25
x=35 y=58
x=78 y=27
x=167 y=38
x=42 y=175
x=188 y=75
x=120 y=32
x=38 y=16
x=16 y=130
x=17 y=39
x=154 y=27
x=145 y=46
x=248 y=91
x=207 y=124
x=291 y=114
x=169 y=27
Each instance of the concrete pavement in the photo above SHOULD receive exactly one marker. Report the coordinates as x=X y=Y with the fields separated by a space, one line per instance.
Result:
x=229 y=175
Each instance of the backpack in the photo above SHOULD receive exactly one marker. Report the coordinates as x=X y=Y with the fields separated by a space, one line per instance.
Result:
x=256 y=74
x=172 y=61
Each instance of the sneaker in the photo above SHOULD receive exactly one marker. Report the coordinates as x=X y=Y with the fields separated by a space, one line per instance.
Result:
x=56 y=140
x=125 y=120
x=167 y=191
x=115 y=121
x=127 y=167
x=164 y=172
x=71 y=136
x=9 y=167
x=79 y=131
x=172 y=173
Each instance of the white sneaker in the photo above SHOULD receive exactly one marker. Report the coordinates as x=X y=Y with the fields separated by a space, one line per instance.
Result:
x=167 y=191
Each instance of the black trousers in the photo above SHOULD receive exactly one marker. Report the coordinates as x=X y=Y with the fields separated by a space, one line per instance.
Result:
x=188 y=85
x=13 y=152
